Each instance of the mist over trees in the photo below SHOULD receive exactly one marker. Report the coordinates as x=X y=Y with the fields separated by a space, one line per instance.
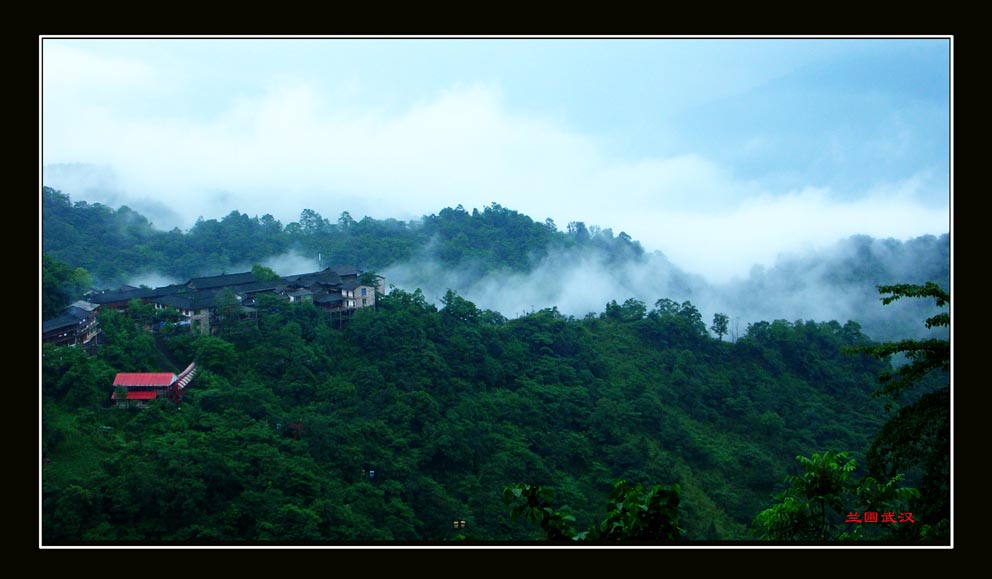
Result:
x=502 y=260
x=841 y=284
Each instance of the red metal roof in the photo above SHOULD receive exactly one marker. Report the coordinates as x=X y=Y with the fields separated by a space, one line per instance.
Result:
x=144 y=379
x=137 y=395
x=141 y=395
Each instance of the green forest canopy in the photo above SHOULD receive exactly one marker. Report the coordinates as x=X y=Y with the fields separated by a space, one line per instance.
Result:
x=414 y=415
x=448 y=407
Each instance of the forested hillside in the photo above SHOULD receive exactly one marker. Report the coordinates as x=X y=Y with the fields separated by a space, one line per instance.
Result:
x=496 y=238
x=501 y=260
x=418 y=413
x=447 y=407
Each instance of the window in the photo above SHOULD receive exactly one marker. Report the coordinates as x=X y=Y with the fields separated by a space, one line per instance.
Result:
x=363 y=293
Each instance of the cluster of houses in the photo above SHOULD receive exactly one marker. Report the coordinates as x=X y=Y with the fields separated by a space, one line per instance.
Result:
x=338 y=290
x=198 y=304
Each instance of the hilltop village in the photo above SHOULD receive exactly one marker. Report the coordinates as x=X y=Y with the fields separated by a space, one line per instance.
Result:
x=200 y=304
x=340 y=291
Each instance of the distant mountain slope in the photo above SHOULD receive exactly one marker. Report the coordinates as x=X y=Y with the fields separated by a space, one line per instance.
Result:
x=502 y=260
x=840 y=283
x=116 y=245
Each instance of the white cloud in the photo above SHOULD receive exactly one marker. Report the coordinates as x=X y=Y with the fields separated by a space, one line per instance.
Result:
x=721 y=246
x=65 y=68
x=285 y=149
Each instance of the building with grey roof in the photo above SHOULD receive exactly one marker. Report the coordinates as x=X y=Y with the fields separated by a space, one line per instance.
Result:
x=201 y=301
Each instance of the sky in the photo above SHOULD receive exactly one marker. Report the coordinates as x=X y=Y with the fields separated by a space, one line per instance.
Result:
x=721 y=153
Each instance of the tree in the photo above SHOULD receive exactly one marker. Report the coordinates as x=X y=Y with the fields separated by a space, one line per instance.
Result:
x=311 y=222
x=346 y=221
x=270 y=224
x=639 y=514
x=535 y=503
x=578 y=231
x=917 y=438
x=720 y=324
x=682 y=319
x=633 y=513
x=142 y=314
x=459 y=308
x=61 y=285
x=263 y=273
x=925 y=356
x=816 y=505
x=630 y=311
x=216 y=355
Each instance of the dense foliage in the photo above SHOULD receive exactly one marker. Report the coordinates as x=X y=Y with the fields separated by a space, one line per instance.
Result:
x=480 y=252
x=825 y=502
x=634 y=514
x=494 y=238
x=914 y=440
x=60 y=286
x=411 y=416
